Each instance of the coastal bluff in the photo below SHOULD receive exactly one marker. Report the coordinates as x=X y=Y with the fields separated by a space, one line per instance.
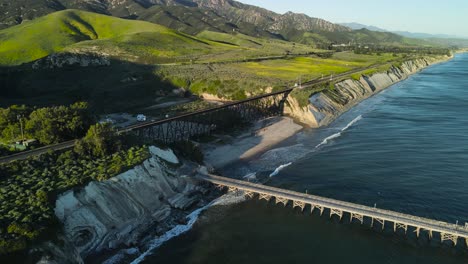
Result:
x=324 y=107
x=119 y=212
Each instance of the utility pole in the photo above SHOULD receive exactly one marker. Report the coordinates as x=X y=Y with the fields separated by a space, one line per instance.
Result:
x=21 y=126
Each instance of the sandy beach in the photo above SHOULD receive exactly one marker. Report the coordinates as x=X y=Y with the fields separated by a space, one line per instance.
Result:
x=261 y=137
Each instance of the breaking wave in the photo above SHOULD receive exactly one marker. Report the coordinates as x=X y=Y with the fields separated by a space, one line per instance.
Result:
x=277 y=170
x=337 y=135
x=192 y=218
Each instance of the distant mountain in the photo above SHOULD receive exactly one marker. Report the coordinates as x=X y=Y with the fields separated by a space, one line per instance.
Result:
x=424 y=35
x=357 y=26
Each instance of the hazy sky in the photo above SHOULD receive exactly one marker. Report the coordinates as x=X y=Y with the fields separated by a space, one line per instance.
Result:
x=422 y=16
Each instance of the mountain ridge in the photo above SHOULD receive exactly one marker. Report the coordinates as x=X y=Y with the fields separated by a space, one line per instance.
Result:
x=235 y=12
x=417 y=35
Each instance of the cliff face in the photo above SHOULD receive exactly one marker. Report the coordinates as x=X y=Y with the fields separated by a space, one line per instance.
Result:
x=60 y=60
x=326 y=106
x=116 y=212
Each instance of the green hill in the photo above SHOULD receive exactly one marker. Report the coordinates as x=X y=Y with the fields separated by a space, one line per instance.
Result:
x=129 y=40
x=55 y=32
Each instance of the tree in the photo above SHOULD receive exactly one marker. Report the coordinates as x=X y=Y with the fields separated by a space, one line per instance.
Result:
x=9 y=124
x=56 y=124
x=101 y=140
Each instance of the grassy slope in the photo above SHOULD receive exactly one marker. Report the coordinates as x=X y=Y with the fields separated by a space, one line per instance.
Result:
x=52 y=33
x=139 y=41
x=58 y=31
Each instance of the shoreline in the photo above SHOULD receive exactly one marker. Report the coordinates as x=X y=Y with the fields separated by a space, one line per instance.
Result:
x=265 y=135
x=326 y=106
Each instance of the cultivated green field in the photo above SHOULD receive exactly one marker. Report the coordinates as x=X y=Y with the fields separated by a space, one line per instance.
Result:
x=244 y=79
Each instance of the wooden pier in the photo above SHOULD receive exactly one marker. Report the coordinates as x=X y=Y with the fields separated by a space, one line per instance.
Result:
x=447 y=231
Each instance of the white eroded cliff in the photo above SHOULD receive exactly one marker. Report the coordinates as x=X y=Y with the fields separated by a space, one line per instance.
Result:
x=324 y=107
x=118 y=211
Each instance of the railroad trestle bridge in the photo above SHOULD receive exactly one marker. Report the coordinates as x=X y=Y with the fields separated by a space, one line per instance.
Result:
x=216 y=119
x=385 y=218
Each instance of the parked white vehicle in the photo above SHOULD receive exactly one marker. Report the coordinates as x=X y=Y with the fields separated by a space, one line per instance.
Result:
x=141 y=118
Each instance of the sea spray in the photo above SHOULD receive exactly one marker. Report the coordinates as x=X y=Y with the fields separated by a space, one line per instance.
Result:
x=192 y=218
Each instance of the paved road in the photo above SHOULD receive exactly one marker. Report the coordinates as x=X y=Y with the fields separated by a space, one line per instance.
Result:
x=38 y=151
x=375 y=213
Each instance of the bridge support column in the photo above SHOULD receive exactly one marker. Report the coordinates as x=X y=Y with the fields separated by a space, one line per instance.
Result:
x=358 y=217
x=313 y=206
x=398 y=225
x=299 y=204
x=265 y=197
x=232 y=189
x=249 y=195
x=381 y=221
x=337 y=212
x=284 y=201
x=417 y=231
x=220 y=187
x=321 y=208
x=430 y=234
x=466 y=241
x=445 y=237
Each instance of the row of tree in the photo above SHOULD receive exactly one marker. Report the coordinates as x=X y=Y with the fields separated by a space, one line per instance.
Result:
x=48 y=125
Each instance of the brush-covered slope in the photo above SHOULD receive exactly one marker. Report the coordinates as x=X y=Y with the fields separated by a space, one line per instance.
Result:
x=73 y=31
x=55 y=32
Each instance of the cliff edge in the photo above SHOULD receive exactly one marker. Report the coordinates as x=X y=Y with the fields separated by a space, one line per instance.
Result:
x=326 y=106
x=120 y=212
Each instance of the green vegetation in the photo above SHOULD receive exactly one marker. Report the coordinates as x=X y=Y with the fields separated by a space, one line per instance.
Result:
x=26 y=42
x=308 y=68
x=100 y=141
x=244 y=79
x=303 y=95
x=48 y=125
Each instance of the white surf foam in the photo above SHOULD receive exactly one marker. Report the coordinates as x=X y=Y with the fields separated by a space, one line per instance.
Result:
x=337 y=135
x=251 y=176
x=277 y=170
x=325 y=141
x=118 y=258
x=355 y=120
x=226 y=199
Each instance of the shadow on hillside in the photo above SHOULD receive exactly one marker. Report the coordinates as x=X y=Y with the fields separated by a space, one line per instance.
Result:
x=121 y=86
